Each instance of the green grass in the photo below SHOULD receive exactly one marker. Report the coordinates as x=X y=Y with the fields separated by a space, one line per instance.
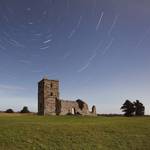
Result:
x=73 y=133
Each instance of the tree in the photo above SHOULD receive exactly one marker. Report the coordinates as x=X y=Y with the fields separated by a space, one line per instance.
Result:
x=139 y=108
x=25 y=110
x=9 y=111
x=128 y=108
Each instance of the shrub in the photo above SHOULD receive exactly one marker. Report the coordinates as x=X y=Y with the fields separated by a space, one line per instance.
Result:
x=25 y=110
x=9 y=111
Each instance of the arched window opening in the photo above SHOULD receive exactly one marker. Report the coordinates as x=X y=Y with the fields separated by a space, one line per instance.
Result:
x=73 y=111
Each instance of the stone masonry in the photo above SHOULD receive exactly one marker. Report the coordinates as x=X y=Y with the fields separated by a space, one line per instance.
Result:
x=49 y=102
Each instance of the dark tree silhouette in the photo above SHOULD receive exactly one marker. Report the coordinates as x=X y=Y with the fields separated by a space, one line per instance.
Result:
x=9 y=111
x=25 y=110
x=139 y=108
x=128 y=108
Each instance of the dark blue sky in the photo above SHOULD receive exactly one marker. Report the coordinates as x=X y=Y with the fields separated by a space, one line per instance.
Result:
x=98 y=49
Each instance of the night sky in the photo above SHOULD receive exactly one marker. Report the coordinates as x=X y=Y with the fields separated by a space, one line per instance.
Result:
x=98 y=49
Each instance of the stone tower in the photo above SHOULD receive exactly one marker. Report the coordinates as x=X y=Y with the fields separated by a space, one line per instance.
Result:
x=48 y=95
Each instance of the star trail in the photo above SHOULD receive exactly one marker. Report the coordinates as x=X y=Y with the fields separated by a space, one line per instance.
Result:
x=99 y=50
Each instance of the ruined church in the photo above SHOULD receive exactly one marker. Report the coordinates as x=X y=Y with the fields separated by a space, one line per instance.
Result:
x=49 y=102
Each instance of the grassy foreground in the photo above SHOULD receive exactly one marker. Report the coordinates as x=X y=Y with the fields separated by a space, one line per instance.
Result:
x=73 y=133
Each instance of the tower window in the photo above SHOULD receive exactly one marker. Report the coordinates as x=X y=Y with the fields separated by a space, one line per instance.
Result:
x=51 y=94
x=51 y=85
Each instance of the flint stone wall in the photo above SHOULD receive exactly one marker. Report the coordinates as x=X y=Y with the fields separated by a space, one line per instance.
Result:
x=73 y=107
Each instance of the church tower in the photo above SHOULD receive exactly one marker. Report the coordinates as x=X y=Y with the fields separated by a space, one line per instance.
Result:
x=48 y=95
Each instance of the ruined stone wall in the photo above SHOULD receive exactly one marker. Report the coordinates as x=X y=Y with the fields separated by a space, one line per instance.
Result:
x=93 y=112
x=83 y=106
x=73 y=107
x=68 y=107
x=50 y=104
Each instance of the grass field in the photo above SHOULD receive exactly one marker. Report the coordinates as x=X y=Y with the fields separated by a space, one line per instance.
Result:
x=73 y=133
